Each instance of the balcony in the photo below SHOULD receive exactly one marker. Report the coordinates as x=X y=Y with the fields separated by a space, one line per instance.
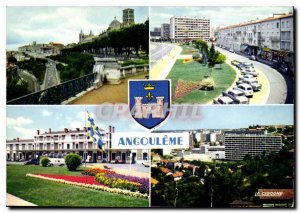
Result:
x=274 y=39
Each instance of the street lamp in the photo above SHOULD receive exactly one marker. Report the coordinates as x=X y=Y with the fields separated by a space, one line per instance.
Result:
x=130 y=161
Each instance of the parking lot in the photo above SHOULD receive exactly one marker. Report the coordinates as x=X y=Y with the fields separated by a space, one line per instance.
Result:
x=274 y=86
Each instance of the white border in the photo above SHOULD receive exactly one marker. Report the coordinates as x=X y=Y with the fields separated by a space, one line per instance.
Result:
x=4 y=3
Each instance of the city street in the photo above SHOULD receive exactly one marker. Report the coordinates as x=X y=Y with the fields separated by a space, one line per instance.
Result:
x=158 y=51
x=51 y=76
x=162 y=58
x=278 y=86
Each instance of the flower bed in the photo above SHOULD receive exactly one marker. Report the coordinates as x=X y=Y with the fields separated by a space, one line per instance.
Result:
x=113 y=179
x=85 y=181
x=117 y=182
x=185 y=61
x=185 y=87
x=94 y=171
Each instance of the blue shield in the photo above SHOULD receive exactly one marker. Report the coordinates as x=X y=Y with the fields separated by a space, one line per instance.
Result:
x=149 y=101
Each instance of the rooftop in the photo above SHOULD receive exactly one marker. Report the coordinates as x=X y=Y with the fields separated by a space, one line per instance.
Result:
x=274 y=17
x=177 y=174
x=165 y=170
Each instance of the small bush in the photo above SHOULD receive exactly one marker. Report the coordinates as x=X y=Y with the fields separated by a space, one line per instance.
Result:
x=44 y=161
x=72 y=161
x=207 y=84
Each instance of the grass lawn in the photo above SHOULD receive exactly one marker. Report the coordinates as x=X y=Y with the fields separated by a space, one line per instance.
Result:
x=195 y=71
x=186 y=50
x=47 y=193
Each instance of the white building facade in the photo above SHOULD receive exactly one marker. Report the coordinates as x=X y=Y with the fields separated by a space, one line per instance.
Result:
x=58 y=144
x=189 y=28
x=270 y=39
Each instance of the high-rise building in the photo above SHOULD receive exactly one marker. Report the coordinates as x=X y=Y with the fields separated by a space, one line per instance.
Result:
x=238 y=144
x=128 y=17
x=165 y=30
x=189 y=28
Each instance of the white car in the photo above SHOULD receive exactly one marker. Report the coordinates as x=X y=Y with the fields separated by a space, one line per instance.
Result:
x=254 y=83
x=57 y=161
x=223 y=100
x=237 y=95
x=247 y=76
x=246 y=89
x=248 y=64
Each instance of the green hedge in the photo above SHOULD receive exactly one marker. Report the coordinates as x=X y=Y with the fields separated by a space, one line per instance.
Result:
x=72 y=161
x=44 y=161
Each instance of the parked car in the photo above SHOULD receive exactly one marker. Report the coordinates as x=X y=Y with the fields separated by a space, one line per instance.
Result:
x=237 y=96
x=249 y=72
x=248 y=64
x=254 y=83
x=146 y=163
x=245 y=77
x=231 y=50
x=223 y=100
x=56 y=162
x=32 y=162
x=235 y=62
x=246 y=89
x=252 y=57
x=240 y=65
x=247 y=67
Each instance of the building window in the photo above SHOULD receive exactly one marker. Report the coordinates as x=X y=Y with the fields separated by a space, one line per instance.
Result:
x=145 y=156
x=277 y=25
x=68 y=146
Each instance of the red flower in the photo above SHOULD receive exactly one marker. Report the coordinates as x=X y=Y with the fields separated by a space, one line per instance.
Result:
x=75 y=179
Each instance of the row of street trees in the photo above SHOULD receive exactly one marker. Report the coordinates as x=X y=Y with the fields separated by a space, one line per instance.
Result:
x=124 y=41
x=209 y=54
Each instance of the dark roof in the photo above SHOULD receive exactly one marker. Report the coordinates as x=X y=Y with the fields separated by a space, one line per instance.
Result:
x=20 y=140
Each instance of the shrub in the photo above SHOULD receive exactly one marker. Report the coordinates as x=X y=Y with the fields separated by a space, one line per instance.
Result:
x=44 y=161
x=207 y=84
x=72 y=161
x=197 y=57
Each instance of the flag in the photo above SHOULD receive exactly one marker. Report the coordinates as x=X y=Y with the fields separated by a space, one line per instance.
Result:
x=94 y=133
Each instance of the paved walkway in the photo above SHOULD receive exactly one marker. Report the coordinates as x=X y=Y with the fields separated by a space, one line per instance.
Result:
x=12 y=201
x=137 y=170
x=108 y=93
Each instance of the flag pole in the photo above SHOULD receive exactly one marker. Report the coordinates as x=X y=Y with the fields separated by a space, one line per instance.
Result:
x=85 y=136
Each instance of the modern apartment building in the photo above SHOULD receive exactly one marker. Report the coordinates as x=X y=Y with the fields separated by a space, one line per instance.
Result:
x=189 y=28
x=270 y=38
x=60 y=143
x=128 y=17
x=238 y=144
x=165 y=31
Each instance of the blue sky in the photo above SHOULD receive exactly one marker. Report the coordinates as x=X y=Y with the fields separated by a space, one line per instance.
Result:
x=23 y=121
x=60 y=24
x=219 y=16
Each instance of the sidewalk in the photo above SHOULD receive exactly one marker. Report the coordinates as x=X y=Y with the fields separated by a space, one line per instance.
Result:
x=163 y=67
x=269 y=63
x=13 y=201
x=124 y=169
